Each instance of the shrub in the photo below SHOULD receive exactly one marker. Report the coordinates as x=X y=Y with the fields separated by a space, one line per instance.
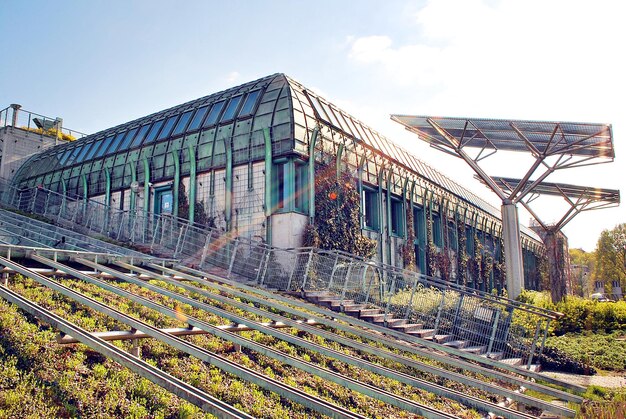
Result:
x=556 y=360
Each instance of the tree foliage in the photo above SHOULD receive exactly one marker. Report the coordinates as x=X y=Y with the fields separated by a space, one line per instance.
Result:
x=610 y=263
x=337 y=223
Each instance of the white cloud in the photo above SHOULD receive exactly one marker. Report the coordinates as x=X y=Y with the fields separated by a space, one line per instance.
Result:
x=536 y=59
x=233 y=77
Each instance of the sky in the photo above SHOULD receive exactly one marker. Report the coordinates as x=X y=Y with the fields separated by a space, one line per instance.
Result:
x=98 y=63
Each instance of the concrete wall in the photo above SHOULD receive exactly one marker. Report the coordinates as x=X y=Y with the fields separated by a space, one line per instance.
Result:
x=17 y=145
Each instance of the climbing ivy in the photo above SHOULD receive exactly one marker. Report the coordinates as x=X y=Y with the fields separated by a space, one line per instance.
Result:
x=337 y=223
x=461 y=255
x=431 y=249
x=408 y=248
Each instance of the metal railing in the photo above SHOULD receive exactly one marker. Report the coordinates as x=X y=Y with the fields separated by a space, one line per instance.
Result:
x=16 y=117
x=483 y=323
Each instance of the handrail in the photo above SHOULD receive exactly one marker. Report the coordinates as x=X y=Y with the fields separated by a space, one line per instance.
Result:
x=17 y=117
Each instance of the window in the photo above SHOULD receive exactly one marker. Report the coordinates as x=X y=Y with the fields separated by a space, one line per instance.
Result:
x=249 y=104
x=397 y=217
x=197 y=118
x=182 y=123
x=129 y=137
x=156 y=127
x=301 y=199
x=231 y=109
x=278 y=186
x=140 y=135
x=370 y=208
x=216 y=110
x=167 y=128
x=437 y=231
x=104 y=147
x=116 y=142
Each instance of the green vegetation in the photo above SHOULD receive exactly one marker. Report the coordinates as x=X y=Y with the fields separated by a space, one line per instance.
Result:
x=337 y=220
x=599 y=350
x=66 y=381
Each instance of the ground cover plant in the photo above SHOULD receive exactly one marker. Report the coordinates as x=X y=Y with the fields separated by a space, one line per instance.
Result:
x=69 y=381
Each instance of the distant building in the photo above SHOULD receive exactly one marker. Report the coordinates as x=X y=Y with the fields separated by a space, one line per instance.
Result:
x=243 y=156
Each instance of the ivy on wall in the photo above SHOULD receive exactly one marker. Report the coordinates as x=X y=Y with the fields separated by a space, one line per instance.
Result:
x=337 y=224
x=444 y=264
x=462 y=257
x=408 y=248
x=431 y=249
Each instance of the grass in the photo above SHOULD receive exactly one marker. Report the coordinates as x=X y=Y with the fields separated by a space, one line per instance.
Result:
x=71 y=381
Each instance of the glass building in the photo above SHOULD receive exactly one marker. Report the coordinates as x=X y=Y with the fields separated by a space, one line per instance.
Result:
x=241 y=157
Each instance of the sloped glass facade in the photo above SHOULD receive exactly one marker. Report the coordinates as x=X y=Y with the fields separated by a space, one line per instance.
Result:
x=243 y=156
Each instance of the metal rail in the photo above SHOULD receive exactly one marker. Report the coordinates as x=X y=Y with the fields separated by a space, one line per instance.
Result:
x=172 y=384
x=326 y=374
x=222 y=363
x=325 y=320
x=407 y=379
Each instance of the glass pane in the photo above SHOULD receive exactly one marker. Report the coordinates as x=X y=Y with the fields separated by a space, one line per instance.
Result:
x=167 y=128
x=249 y=104
x=127 y=139
x=104 y=146
x=84 y=151
x=197 y=118
x=140 y=135
x=182 y=123
x=154 y=131
x=229 y=113
x=214 y=114
x=116 y=142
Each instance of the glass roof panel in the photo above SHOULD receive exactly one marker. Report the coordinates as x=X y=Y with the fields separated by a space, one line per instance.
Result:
x=105 y=145
x=167 y=128
x=128 y=138
x=231 y=109
x=116 y=142
x=216 y=110
x=249 y=104
x=197 y=118
x=182 y=123
x=156 y=127
x=140 y=135
x=84 y=151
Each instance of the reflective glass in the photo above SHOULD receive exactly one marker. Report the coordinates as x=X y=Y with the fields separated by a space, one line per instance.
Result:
x=197 y=118
x=231 y=109
x=154 y=131
x=129 y=137
x=116 y=142
x=182 y=123
x=140 y=136
x=83 y=152
x=214 y=114
x=167 y=128
x=63 y=159
x=249 y=104
x=93 y=150
x=105 y=145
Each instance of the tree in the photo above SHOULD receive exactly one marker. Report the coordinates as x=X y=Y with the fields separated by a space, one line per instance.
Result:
x=583 y=265
x=610 y=257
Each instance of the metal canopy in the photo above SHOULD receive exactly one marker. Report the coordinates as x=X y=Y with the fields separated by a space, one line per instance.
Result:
x=579 y=198
x=553 y=145
x=539 y=137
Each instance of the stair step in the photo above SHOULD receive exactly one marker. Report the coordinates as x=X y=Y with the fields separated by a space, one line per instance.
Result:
x=407 y=327
x=442 y=338
x=494 y=355
x=395 y=322
x=512 y=361
x=474 y=349
x=368 y=311
x=309 y=294
x=353 y=307
x=459 y=344
x=374 y=318
x=422 y=333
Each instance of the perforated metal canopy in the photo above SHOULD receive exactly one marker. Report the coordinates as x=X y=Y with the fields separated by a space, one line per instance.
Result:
x=540 y=137
x=609 y=196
